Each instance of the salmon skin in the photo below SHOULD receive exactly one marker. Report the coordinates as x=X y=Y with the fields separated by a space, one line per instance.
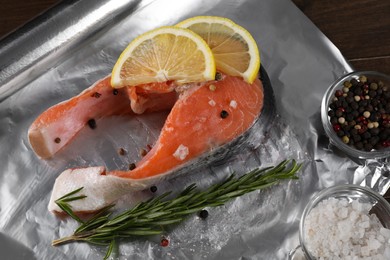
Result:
x=206 y=123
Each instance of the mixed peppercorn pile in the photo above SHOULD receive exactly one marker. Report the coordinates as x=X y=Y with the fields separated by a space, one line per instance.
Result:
x=360 y=113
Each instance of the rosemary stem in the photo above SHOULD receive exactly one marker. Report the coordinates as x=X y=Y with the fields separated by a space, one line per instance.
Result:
x=65 y=240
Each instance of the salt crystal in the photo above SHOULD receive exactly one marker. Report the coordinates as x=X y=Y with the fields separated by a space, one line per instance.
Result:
x=365 y=251
x=181 y=152
x=212 y=103
x=374 y=244
x=353 y=216
x=343 y=212
x=364 y=224
x=233 y=104
x=385 y=232
x=386 y=254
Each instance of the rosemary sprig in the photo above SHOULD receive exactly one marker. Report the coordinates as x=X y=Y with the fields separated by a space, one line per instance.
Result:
x=63 y=203
x=149 y=217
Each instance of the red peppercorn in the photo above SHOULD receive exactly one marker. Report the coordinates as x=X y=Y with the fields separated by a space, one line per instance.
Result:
x=339 y=93
x=362 y=129
x=336 y=127
x=341 y=109
x=386 y=143
x=164 y=242
x=361 y=119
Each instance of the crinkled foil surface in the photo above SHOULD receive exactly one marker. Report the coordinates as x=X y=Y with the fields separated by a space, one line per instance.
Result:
x=78 y=42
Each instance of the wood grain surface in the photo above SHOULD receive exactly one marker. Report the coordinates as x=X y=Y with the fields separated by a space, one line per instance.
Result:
x=359 y=28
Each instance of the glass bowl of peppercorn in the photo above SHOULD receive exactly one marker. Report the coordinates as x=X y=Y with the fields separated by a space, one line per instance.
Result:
x=355 y=113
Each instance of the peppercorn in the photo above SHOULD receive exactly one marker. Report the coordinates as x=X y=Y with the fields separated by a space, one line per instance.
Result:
x=374 y=140
x=96 y=95
x=373 y=86
x=347 y=84
x=349 y=117
x=338 y=93
x=336 y=127
x=368 y=147
x=224 y=114
x=366 y=135
x=121 y=151
x=349 y=99
x=153 y=188
x=339 y=113
x=359 y=145
x=57 y=140
x=92 y=123
x=340 y=133
x=345 y=139
x=218 y=76
x=143 y=152
x=132 y=166
x=334 y=120
x=115 y=92
x=356 y=138
x=203 y=214
x=164 y=242
x=363 y=79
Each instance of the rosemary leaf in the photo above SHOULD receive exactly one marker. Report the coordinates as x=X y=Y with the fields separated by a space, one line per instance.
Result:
x=110 y=249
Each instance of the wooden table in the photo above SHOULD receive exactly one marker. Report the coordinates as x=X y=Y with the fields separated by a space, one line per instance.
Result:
x=359 y=28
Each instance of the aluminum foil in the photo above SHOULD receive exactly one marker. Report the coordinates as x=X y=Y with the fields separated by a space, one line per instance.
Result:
x=77 y=43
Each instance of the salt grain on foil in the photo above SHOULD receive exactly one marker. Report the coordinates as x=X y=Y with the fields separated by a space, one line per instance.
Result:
x=337 y=229
x=181 y=152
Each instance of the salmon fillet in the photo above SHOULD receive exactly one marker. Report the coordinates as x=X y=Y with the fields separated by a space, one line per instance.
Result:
x=203 y=118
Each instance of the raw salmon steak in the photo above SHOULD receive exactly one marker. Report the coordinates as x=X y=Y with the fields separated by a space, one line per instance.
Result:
x=203 y=118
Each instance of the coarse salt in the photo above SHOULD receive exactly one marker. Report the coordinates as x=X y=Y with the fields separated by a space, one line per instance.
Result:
x=181 y=152
x=212 y=103
x=233 y=104
x=337 y=229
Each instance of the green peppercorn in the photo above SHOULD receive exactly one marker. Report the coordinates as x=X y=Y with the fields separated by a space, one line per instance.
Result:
x=345 y=139
x=363 y=79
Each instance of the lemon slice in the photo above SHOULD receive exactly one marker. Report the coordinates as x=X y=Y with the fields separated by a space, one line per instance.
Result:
x=164 y=54
x=235 y=51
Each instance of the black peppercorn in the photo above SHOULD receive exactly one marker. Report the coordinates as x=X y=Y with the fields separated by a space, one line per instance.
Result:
x=331 y=113
x=92 y=123
x=340 y=133
x=132 y=166
x=96 y=95
x=57 y=140
x=203 y=214
x=153 y=189
x=224 y=114
x=339 y=113
x=218 y=76
x=115 y=92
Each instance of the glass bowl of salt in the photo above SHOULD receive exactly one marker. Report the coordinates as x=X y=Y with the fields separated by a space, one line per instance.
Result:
x=346 y=222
